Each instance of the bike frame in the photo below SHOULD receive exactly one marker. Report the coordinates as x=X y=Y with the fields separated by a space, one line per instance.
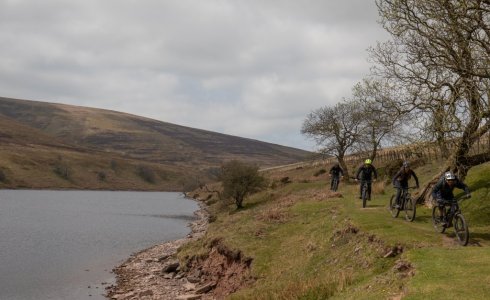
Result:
x=405 y=194
x=404 y=204
x=451 y=208
x=452 y=216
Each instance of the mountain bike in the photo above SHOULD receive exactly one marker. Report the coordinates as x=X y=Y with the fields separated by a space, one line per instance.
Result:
x=450 y=215
x=335 y=183
x=364 y=192
x=407 y=204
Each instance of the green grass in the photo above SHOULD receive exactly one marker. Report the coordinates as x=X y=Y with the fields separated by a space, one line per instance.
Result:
x=307 y=246
x=450 y=273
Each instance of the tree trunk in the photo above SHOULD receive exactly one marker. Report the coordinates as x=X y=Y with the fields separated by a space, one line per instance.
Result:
x=344 y=167
x=425 y=196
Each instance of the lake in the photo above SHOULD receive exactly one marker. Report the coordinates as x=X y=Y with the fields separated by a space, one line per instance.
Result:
x=64 y=244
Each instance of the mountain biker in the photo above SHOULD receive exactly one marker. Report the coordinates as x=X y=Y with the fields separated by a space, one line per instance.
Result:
x=335 y=172
x=442 y=191
x=401 y=178
x=365 y=175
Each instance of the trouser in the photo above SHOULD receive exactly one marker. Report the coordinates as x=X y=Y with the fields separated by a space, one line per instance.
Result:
x=368 y=182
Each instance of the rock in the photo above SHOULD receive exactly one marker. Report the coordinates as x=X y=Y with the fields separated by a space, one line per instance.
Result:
x=146 y=293
x=162 y=258
x=189 y=297
x=193 y=279
x=189 y=286
x=205 y=288
x=171 y=266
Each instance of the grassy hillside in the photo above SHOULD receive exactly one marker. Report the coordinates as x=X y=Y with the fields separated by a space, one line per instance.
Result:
x=39 y=137
x=307 y=243
x=143 y=138
x=31 y=158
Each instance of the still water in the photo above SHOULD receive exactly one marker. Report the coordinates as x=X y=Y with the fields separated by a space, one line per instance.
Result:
x=63 y=244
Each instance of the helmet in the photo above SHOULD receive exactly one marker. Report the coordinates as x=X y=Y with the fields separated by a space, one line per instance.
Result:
x=406 y=164
x=449 y=175
x=368 y=161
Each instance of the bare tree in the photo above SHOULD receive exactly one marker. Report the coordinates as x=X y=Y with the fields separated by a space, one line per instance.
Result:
x=440 y=53
x=336 y=129
x=381 y=120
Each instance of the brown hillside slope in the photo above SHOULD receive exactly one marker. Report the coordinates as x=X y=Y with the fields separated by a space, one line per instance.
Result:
x=88 y=142
x=143 y=138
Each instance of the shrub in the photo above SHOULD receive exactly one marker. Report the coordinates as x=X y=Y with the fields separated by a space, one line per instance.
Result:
x=101 y=176
x=285 y=180
x=239 y=180
x=146 y=174
x=320 y=172
x=3 y=177
x=392 y=167
x=62 y=171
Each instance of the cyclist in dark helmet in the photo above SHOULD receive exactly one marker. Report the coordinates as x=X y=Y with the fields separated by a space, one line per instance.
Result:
x=401 y=178
x=442 y=191
x=365 y=174
x=335 y=172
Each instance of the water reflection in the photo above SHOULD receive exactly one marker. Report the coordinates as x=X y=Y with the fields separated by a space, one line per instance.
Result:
x=63 y=244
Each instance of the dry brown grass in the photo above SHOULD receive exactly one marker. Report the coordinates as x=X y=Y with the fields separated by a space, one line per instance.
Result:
x=378 y=187
x=274 y=214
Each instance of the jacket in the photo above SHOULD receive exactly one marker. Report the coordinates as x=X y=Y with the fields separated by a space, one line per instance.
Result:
x=443 y=191
x=403 y=176
x=366 y=172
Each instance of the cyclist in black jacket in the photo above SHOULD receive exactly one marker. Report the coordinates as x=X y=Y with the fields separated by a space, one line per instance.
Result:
x=401 y=178
x=365 y=175
x=335 y=172
x=442 y=192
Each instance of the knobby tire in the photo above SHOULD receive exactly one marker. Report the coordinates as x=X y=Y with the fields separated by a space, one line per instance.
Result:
x=410 y=207
x=461 y=229
x=436 y=221
x=393 y=210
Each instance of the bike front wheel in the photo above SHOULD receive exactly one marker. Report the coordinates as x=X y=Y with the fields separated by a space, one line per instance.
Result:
x=438 y=219
x=461 y=229
x=335 y=185
x=364 y=196
x=409 y=207
x=393 y=210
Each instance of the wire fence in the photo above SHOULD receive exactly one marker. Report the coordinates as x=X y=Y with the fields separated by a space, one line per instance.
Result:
x=427 y=151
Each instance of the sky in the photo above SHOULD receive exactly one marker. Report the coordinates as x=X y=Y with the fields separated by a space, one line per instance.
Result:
x=250 y=68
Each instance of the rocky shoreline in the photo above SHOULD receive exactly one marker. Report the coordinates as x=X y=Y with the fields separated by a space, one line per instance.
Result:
x=154 y=273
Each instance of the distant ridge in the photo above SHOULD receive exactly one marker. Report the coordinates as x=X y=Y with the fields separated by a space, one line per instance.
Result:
x=183 y=151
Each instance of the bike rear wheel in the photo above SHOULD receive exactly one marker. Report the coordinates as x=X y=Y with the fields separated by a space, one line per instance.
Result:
x=393 y=210
x=437 y=219
x=409 y=207
x=461 y=229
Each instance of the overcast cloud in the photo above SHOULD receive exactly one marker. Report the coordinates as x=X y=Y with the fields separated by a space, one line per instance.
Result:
x=252 y=68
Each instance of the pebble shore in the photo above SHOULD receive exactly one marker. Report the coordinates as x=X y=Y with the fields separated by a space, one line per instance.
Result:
x=154 y=273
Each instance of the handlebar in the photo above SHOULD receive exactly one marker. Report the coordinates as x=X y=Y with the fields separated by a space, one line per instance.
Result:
x=457 y=199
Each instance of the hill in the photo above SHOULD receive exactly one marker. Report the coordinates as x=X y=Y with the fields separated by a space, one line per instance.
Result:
x=300 y=241
x=43 y=134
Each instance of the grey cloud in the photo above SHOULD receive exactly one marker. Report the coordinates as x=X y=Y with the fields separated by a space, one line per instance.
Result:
x=256 y=68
